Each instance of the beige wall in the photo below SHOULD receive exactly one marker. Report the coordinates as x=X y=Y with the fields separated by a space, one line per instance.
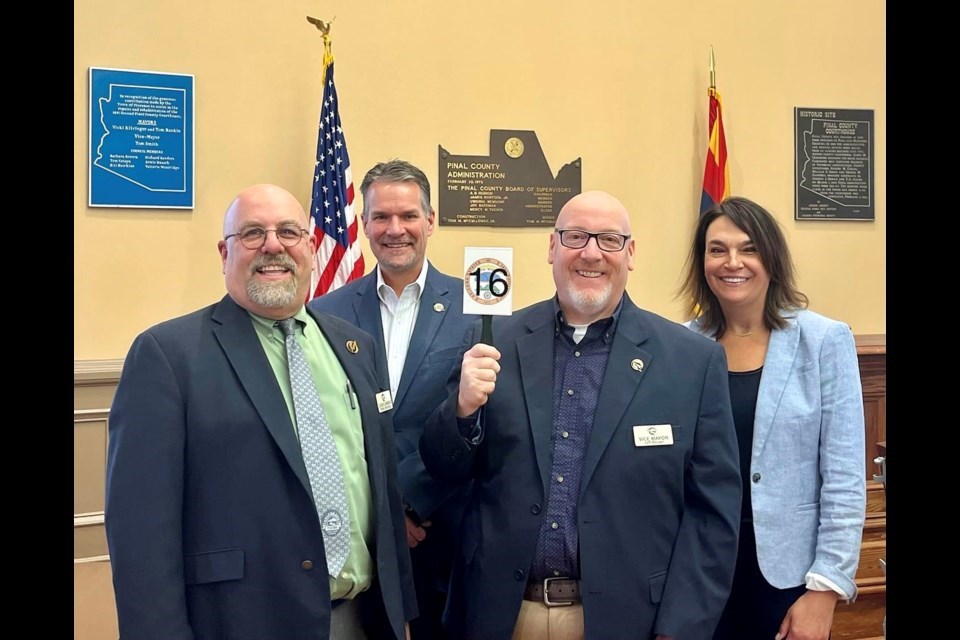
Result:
x=621 y=84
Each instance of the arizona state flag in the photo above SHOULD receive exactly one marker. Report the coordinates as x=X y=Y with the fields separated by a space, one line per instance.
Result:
x=716 y=175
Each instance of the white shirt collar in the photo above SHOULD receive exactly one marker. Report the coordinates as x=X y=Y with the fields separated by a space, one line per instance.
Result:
x=421 y=281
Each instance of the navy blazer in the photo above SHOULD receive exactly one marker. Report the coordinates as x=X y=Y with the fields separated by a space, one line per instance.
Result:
x=210 y=522
x=433 y=352
x=658 y=524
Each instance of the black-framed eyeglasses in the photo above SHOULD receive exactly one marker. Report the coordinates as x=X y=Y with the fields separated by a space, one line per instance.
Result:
x=606 y=240
x=254 y=237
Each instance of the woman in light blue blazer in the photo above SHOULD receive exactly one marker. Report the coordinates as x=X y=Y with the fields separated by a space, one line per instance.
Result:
x=798 y=410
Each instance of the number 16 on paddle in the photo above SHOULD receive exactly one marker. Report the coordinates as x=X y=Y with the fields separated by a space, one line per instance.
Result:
x=488 y=285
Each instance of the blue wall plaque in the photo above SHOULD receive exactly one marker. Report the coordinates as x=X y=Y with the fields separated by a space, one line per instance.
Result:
x=141 y=139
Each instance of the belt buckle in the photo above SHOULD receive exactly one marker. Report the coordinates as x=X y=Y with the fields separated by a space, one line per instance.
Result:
x=546 y=593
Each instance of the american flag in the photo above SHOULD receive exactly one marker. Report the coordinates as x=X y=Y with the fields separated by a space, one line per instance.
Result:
x=332 y=220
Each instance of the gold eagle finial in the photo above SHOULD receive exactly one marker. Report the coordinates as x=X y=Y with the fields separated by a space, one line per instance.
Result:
x=324 y=27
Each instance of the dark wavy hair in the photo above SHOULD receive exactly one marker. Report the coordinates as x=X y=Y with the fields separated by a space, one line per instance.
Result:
x=765 y=233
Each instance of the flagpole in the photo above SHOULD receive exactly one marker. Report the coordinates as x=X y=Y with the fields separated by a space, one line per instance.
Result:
x=713 y=75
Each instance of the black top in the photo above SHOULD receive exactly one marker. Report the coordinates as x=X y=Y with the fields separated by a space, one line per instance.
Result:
x=744 y=386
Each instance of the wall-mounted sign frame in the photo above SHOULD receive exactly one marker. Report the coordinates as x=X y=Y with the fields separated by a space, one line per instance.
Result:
x=833 y=164
x=141 y=139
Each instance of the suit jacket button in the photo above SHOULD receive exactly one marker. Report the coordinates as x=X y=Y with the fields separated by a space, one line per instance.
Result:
x=518 y=574
x=756 y=477
x=307 y=565
x=535 y=509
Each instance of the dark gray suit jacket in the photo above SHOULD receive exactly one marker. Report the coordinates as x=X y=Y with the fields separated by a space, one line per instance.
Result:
x=210 y=522
x=658 y=524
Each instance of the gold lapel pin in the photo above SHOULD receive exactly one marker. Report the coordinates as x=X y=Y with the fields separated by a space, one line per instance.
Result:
x=352 y=346
x=637 y=365
x=438 y=307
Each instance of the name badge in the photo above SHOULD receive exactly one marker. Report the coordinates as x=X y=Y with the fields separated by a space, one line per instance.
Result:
x=652 y=435
x=384 y=401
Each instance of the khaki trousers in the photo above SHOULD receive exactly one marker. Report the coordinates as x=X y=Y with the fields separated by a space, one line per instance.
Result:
x=537 y=621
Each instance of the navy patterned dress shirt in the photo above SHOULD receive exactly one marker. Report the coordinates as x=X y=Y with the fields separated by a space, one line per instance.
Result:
x=578 y=370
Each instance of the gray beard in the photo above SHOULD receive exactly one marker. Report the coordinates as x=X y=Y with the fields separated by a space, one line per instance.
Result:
x=590 y=304
x=274 y=295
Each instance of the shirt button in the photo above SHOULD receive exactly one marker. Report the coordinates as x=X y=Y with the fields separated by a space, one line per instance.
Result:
x=307 y=565
x=756 y=477
x=535 y=509
x=554 y=525
x=576 y=353
x=518 y=574
x=559 y=478
x=569 y=392
x=565 y=434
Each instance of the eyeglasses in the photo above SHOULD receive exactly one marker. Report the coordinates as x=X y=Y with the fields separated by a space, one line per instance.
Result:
x=578 y=239
x=256 y=237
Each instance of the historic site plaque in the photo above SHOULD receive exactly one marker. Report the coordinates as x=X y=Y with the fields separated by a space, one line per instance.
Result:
x=511 y=187
x=833 y=164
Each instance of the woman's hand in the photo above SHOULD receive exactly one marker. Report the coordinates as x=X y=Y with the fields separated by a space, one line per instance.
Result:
x=810 y=617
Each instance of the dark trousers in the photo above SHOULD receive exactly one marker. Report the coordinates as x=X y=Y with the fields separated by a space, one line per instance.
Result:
x=755 y=608
x=346 y=620
x=376 y=624
x=431 y=574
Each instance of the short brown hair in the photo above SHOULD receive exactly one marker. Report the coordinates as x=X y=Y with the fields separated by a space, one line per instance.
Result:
x=397 y=170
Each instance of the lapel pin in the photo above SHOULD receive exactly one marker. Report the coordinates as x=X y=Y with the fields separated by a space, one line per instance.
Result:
x=637 y=365
x=352 y=346
x=438 y=307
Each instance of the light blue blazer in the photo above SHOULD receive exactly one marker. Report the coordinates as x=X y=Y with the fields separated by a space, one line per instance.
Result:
x=807 y=470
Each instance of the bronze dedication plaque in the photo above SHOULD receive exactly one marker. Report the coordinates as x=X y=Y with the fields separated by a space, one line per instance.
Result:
x=511 y=187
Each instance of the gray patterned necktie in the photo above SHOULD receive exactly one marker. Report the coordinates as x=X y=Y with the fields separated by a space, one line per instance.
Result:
x=319 y=454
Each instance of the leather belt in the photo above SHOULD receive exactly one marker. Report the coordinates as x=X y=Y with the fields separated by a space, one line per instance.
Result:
x=554 y=592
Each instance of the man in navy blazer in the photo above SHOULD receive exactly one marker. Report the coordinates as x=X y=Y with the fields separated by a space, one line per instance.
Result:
x=415 y=314
x=211 y=522
x=606 y=497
